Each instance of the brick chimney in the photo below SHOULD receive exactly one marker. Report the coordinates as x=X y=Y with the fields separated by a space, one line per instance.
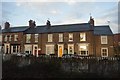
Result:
x=32 y=24
x=91 y=21
x=7 y=25
x=48 y=24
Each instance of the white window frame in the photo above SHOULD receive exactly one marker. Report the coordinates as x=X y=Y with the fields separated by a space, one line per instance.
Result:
x=36 y=37
x=106 y=40
x=5 y=39
x=102 y=52
x=83 y=35
x=87 y=46
x=70 y=36
x=28 y=36
x=49 y=45
x=72 y=45
x=15 y=37
x=61 y=37
x=28 y=48
x=50 y=37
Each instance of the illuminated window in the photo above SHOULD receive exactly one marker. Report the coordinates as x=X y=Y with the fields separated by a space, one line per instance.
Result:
x=28 y=38
x=60 y=37
x=50 y=36
x=36 y=37
x=83 y=49
x=49 y=49
x=28 y=49
x=104 y=52
x=82 y=36
x=103 y=39
x=70 y=36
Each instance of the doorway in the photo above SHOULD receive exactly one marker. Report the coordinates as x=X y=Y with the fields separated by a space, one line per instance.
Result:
x=60 y=50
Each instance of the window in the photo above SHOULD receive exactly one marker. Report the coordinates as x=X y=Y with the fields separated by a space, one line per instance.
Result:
x=10 y=37
x=49 y=49
x=60 y=37
x=28 y=49
x=50 y=37
x=28 y=38
x=70 y=37
x=70 y=48
x=104 y=52
x=83 y=49
x=82 y=36
x=103 y=39
x=15 y=49
x=5 y=38
x=36 y=37
x=16 y=37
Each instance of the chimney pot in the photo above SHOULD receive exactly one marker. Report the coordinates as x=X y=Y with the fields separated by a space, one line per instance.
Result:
x=48 y=24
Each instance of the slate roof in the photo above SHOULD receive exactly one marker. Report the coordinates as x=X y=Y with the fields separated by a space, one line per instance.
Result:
x=60 y=28
x=98 y=30
x=102 y=30
x=15 y=29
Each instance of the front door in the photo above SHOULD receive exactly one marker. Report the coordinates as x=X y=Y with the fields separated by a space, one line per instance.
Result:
x=35 y=50
x=60 y=50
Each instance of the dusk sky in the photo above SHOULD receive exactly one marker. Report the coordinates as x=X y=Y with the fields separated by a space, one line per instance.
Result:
x=63 y=12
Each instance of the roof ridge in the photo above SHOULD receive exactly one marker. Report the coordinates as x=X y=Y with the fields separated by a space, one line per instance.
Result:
x=19 y=27
x=71 y=24
x=102 y=26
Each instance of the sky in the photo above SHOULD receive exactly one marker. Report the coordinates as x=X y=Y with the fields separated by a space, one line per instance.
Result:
x=18 y=13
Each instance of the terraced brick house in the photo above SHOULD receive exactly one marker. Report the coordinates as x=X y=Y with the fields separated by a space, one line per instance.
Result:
x=12 y=39
x=84 y=39
x=117 y=44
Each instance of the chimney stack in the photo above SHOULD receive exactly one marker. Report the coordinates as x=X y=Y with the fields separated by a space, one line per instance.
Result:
x=48 y=24
x=32 y=24
x=7 y=25
x=91 y=21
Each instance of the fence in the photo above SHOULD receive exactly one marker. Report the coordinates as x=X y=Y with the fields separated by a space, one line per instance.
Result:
x=109 y=67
